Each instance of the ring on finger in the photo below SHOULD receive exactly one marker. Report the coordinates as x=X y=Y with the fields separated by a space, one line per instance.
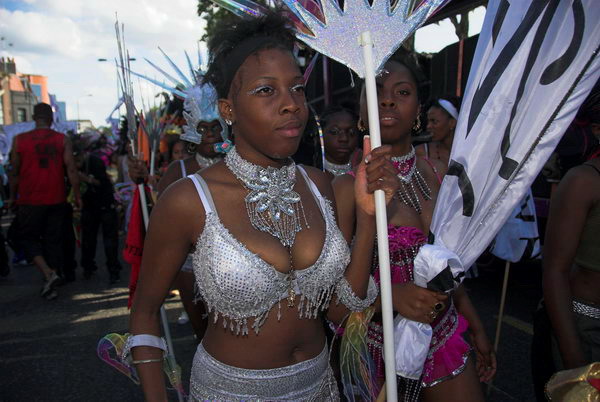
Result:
x=432 y=314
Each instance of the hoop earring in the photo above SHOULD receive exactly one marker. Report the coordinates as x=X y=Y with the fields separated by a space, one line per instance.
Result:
x=417 y=125
x=361 y=126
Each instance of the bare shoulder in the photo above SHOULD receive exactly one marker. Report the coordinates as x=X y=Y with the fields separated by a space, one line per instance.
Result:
x=441 y=168
x=180 y=207
x=343 y=182
x=433 y=169
x=321 y=180
x=582 y=180
x=420 y=150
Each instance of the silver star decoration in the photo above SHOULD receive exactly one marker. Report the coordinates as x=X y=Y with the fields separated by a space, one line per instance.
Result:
x=337 y=37
x=273 y=192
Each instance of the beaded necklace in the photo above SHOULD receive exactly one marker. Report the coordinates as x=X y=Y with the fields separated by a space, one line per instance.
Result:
x=410 y=177
x=272 y=204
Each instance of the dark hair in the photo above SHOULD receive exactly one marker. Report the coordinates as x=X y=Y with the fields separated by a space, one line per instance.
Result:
x=341 y=108
x=43 y=111
x=272 y=28
x=410 y=61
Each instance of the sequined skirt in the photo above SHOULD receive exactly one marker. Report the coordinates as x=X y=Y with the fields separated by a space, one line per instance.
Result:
x=310 y=380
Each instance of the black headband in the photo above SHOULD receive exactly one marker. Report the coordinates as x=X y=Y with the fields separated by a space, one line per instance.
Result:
x=240 y=53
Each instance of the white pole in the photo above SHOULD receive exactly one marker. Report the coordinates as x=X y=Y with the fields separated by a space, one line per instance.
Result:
x=382 y=233
x=153 y=158
x=144 y=205
x=502 y=302
x=163 y=313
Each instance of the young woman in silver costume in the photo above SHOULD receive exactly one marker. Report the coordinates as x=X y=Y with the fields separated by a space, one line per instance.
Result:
x=268 y=256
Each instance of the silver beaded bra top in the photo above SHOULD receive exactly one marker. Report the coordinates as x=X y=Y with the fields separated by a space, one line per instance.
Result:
x=239 y=285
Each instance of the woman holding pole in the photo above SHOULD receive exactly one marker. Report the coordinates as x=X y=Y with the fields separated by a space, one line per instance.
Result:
x=267 y=253
x=448 y=373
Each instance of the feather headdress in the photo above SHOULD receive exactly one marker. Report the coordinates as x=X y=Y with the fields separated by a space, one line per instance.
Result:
x=200 y=99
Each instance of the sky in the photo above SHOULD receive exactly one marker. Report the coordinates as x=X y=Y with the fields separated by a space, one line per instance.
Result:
x=63 y=40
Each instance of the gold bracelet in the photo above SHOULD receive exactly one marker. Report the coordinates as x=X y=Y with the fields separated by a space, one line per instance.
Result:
x=147 y=361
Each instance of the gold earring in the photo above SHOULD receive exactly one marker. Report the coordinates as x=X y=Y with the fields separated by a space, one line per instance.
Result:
x=361 y=125
x=417 y=125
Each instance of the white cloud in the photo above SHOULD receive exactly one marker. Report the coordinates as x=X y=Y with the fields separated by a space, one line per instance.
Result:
x=433 y=38
x=62 y=39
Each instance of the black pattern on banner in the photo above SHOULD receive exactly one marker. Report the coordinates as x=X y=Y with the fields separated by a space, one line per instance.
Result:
x=544 y=130
x=557 y=68
x=528 y=253
x=510 y=165
x=430 y=238
x=499 y=20
x=465 y=186
x=506 y=55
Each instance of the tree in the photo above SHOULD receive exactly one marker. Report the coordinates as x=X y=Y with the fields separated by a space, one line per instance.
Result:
x=215 y=16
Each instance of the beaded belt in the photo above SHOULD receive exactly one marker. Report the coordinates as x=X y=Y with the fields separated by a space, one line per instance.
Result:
x=586 y=309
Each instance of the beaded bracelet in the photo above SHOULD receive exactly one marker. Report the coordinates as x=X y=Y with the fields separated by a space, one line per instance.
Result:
x=349 y=299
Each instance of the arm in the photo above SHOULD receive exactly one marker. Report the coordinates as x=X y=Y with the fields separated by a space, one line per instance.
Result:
x=568 y=211
x=72 y=171
x=165 y=250
x=13 y=178
x=358 y=271
x=486 y=358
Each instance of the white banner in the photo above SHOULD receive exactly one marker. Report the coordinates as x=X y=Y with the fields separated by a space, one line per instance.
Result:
x=519 y=238
x=535 y=63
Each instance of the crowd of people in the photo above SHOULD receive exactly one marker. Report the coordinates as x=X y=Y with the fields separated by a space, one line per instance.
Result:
x=273 y=258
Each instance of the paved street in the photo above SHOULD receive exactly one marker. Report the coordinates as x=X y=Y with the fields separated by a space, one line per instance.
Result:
x=48 y=348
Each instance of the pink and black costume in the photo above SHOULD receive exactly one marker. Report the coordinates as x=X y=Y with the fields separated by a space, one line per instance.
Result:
x=448 y=352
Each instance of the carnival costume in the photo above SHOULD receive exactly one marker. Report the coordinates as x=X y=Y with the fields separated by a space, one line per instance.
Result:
x=242 y=288
x=448 y=351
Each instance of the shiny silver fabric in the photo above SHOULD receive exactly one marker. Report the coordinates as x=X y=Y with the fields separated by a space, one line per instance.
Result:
x=242 y=288
x=310 y=380
x=586 y=309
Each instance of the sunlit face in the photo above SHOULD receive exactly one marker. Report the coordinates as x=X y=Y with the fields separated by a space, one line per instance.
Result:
x=340 y=137
x=398 y=101
x=211 y=135
x=439 y=123
x=266 y=102
x=178 y=151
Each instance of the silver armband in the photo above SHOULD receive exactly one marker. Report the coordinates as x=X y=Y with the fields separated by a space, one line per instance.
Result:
x=143 y=340
x=348 y=298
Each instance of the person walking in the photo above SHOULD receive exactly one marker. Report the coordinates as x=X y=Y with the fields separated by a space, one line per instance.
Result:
x=99 y=210
x=37 y=187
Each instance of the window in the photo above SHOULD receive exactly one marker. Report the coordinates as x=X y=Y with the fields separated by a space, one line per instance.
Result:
x=21 y=115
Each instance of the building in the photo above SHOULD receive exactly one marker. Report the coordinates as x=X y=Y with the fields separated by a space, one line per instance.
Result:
x=20 y=92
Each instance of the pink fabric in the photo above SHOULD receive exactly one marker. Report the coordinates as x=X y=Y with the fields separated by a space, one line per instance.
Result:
x=449 y=359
